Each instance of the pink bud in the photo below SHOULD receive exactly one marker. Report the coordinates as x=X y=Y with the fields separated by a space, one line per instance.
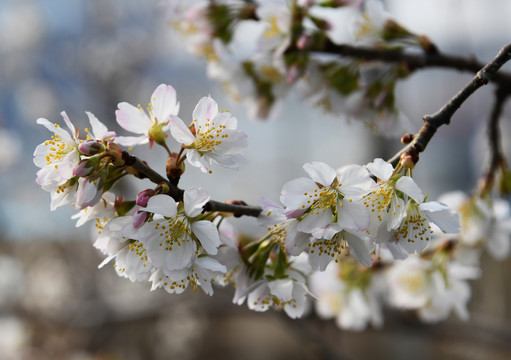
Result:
x=91 y=147
x=138 y=218
x=144 y=196
x=84 y=168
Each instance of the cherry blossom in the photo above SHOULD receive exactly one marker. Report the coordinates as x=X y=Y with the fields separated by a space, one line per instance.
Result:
x=171 y=237
x=151 y=125
x=211 y=138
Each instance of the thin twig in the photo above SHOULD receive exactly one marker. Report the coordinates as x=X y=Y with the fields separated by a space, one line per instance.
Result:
x=177 y=194
x=494 y=137
x=412 y=60
x=444 y=115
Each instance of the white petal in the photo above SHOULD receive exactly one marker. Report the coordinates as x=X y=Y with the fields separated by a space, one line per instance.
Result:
x=69 y=124
x=180 y=131
x=207 y=234
x=161 y=204
x=205 y=110
x=359 y=249
x=410 y=188
x=283 y=289
x=180 y=257
x=56 y=129
x=210 y=264
x=292 y=194
x=381 y=169
x=313 y=221
x=354 y=180
x=164 y=103
x=132 y=118
x=195 y=199
x=99 y=129
x=441 y=215
x=132 y=140
x=320 y=172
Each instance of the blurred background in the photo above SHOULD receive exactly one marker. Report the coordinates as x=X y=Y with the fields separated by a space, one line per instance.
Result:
x=84 y=55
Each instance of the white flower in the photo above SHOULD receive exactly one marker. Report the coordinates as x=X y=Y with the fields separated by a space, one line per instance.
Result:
x=276 y=17
x=57 y=159
x=435 y=291
x=368 y=26
x=116 y=239
x=484 y=223
x=201 y=272
x=103 y=211
x=214 y=136
x=328 y=198
x=161 y=106
x=171 y=238
x=352 y=306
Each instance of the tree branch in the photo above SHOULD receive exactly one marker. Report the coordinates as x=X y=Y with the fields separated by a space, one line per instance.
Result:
x=144 y=171
x=413 y=61
x=444 y=115
x=494 y=138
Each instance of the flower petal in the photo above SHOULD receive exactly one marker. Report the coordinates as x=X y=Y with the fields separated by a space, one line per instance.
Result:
x=195 y=199
x=164 y=103
x=320 y=172
x=410 y=188
x=180 y=131
x=132 y=118
x=161 y=204
x=206 y=109
x=207 y=234
x=381 y=169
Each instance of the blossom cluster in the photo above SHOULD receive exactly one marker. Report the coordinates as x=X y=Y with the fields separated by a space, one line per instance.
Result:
x=352 y=239
x=293 y=42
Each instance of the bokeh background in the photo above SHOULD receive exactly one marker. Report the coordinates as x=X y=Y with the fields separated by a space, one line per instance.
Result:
x=84 y=55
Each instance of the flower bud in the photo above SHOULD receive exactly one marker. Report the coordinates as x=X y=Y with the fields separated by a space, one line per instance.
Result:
x=407 y=161
x=86 y=167
x=138 y=218
x=91 y=147
x=407 y=138
x=144 y=196
x=116 y=153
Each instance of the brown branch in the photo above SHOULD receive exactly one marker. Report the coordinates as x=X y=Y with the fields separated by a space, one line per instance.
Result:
x=412 y=60
x=494 y=138
x=144 y=171
x=444 y=115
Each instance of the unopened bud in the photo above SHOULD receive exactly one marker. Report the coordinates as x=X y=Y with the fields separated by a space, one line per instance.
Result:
x=86 y=167
x=302 y=42
x=407 y=161
x=144 y=196
x=91 y=147
x=138 y=218
x=407 y=138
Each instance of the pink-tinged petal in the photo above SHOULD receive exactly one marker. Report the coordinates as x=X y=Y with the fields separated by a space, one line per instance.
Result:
x=381 y=169
x=164 y=103
x=56 y=129
x=235 y=142
x=68 y=164
x=359 y=249
x=69 y=124
x=87 y=194
x=207 y=234
x=320 y=172
x=195 y=199
x=441 y=215
x=410 y=188
x=131 y=140
x=132 y=118
x=161 y=204
x=99 y=130
x=293 y=193
x=180 y=131
x=205 y=110
x=354 y=180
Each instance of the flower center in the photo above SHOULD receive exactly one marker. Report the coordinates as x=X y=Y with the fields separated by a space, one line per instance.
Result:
x=174 y=231
x=58 y=150
x=414 y=227
x=208 y=136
